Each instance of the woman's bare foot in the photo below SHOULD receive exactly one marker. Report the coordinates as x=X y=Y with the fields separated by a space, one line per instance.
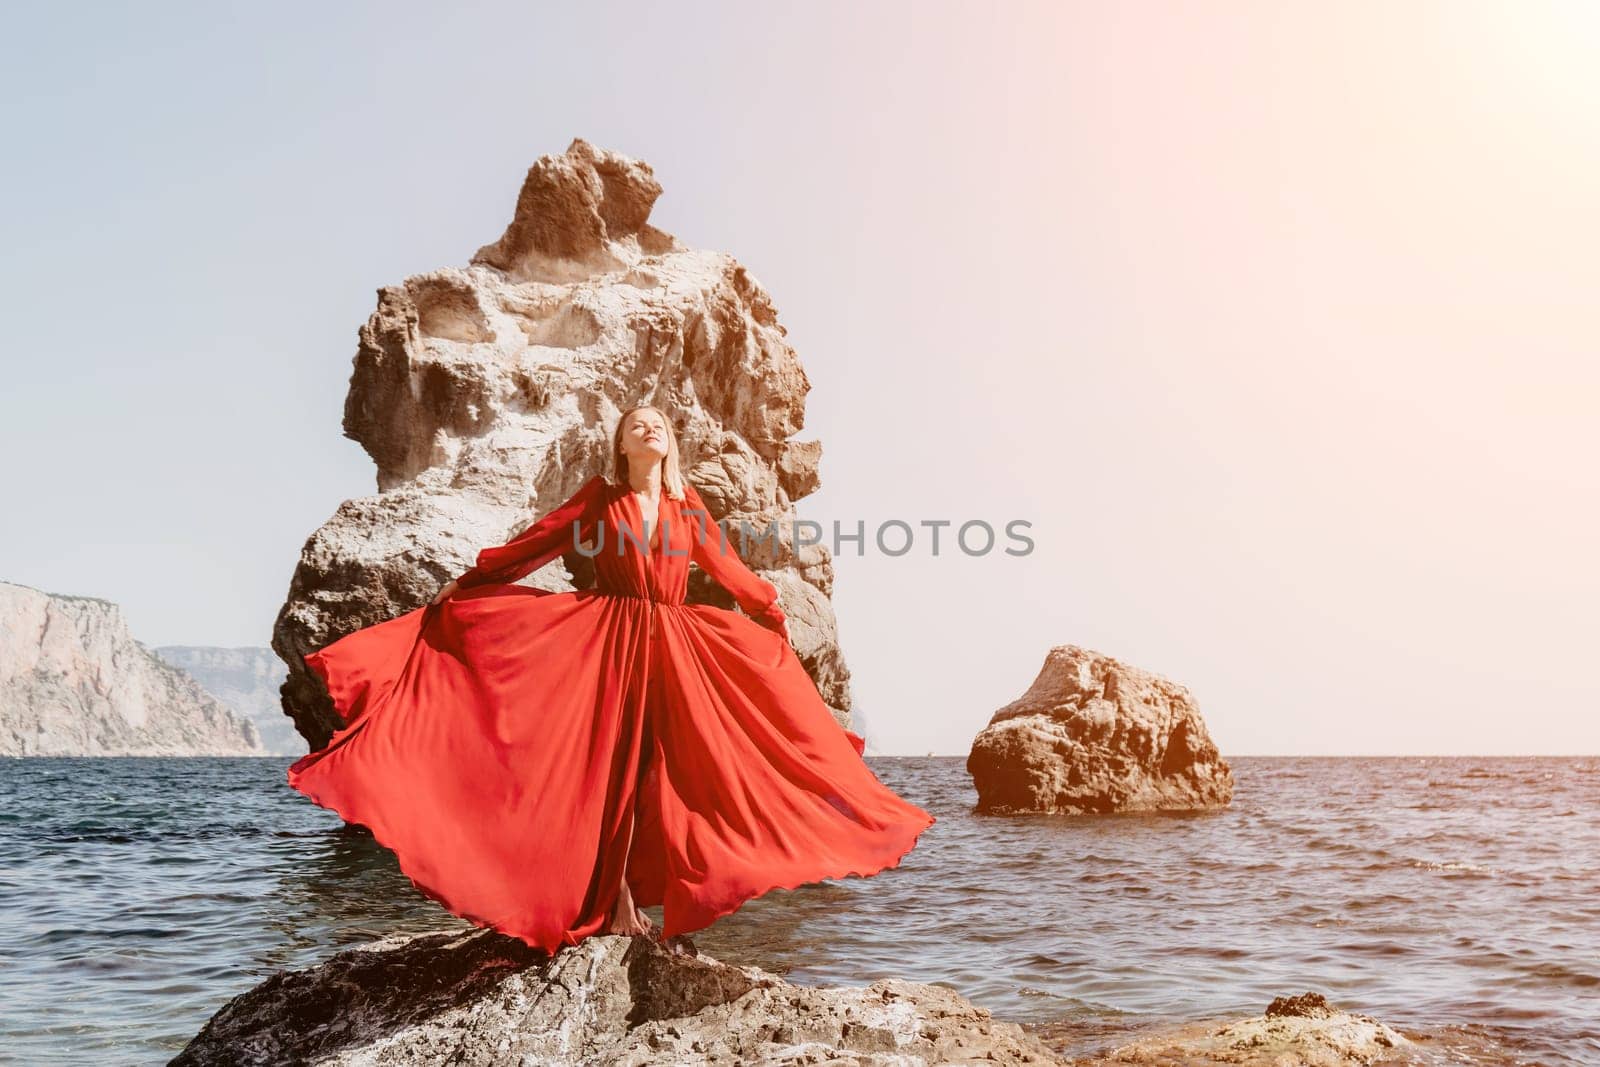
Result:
x=627 y=918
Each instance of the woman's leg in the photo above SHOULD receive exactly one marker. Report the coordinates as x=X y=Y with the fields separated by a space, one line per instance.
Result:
x=626 y=917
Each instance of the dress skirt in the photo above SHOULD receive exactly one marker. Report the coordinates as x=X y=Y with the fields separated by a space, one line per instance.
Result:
x=503 y=742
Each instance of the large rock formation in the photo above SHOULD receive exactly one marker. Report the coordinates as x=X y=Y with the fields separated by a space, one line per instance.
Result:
x=1093 y=734
x=249 y=681
x=481 y=998
x=74 y=682
x=486 y=395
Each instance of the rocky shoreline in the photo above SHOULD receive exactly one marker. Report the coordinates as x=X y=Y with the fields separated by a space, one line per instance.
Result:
x=482 y=998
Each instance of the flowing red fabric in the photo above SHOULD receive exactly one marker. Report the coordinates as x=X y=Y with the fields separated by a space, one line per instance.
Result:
x=500 y=742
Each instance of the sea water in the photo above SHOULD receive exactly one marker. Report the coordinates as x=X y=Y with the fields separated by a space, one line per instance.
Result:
x=1459 y=895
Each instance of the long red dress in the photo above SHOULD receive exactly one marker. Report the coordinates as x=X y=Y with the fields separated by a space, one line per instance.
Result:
x=498 y=742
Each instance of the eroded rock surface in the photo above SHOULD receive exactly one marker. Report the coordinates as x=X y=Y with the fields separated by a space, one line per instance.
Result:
x=1093 y=734
x=1303 y=1031
x=481 y=998
x=485 y=395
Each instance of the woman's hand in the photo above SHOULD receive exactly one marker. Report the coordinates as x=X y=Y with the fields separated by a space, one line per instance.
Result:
x=773 y=619
x=444 y=594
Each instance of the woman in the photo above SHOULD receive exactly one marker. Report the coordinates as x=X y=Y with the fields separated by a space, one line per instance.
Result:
x=547 y=763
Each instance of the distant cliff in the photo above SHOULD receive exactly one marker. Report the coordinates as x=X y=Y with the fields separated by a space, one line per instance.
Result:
x=248 y=680
x=74 y=682
x=858 y=723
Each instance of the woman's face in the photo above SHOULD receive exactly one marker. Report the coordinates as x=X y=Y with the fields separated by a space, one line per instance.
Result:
x=645 y=436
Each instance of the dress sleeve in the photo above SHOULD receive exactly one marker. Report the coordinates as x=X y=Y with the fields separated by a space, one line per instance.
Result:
x=540 y=543
x=711 y=549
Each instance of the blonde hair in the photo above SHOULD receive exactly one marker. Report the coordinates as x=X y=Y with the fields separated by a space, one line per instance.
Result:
x=672 y=482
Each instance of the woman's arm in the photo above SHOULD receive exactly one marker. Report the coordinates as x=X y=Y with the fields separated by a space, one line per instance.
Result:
x=711 y=549
x=540 y=543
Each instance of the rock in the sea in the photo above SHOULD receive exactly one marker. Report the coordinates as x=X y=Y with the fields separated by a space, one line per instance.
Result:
x=248 y=680
x=481 y=998
x=1303 y=1031
x=74 y=682
x=1093 y=734
x=486 y=394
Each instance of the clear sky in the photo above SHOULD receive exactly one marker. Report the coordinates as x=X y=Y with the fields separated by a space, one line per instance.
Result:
x=1276 y=320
